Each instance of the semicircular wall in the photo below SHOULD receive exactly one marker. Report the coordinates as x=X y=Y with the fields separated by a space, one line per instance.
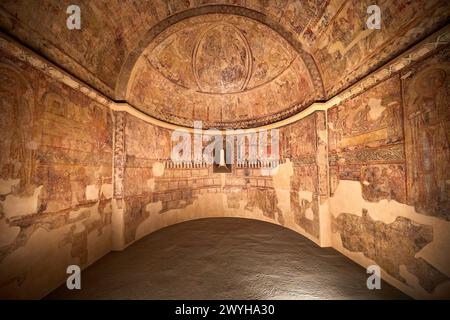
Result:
x=158 y=192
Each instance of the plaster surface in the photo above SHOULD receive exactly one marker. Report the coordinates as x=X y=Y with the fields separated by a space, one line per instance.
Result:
x=365 y=172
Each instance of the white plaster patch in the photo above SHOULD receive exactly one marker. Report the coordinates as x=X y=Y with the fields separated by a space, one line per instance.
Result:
x=147 y=225
x=107 y=190
x=282 y=176
x=92 y=192
x=322 y=134
x=265 y=172
x=306 y=195
x=284 y=201
x=348 y=198
x=20 y=206
x=158 y=169
x=7 y=185
x=98 y=244
x=325 y=224
x=151 y=184
x=117 y=225
x=309 y=214
x=376 y=108
x=437 y=251
x=154 y=207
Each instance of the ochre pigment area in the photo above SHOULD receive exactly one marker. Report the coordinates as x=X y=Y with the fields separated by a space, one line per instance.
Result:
x=213 y=68
x=344 y=128
x=225 y=258
x=55 y=180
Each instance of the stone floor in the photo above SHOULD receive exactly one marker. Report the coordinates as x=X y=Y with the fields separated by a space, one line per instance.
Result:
x=225 y=258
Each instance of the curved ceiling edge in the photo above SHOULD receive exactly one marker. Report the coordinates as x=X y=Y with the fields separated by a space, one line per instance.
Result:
x=128 y=66
x=317 y=106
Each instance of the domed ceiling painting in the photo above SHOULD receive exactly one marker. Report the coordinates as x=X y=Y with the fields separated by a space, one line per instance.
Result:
x=225 y=70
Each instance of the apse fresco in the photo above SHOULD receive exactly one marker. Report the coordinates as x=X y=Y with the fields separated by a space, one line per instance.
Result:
x=122 y=25
x=153 y=189
x=226 y=71
x=298 y=114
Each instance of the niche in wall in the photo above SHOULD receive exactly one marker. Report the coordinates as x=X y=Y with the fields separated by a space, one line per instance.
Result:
x=223 y=157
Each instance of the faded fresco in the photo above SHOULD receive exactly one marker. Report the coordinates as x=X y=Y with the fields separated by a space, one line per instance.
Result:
x=392 y=246
x=155 y=189
x=303 y=143
x=152 y=182
x=224 y=70
x=110 y=33
x=427 y=134
x=334 y=31
x=365 y=136
x=366 y=173
x=388 y=173
x=346 y=49
x=55 y=180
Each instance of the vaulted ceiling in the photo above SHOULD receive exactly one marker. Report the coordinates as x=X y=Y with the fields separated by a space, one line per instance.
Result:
x=224 y=70
x=232 y=63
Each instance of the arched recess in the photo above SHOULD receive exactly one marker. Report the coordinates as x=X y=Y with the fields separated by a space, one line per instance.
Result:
x=159 y=192
x=174 y=196
x=127 y=67
x=213 y=205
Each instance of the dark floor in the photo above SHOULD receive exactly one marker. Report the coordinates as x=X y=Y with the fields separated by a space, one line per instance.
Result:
x=225 y=258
